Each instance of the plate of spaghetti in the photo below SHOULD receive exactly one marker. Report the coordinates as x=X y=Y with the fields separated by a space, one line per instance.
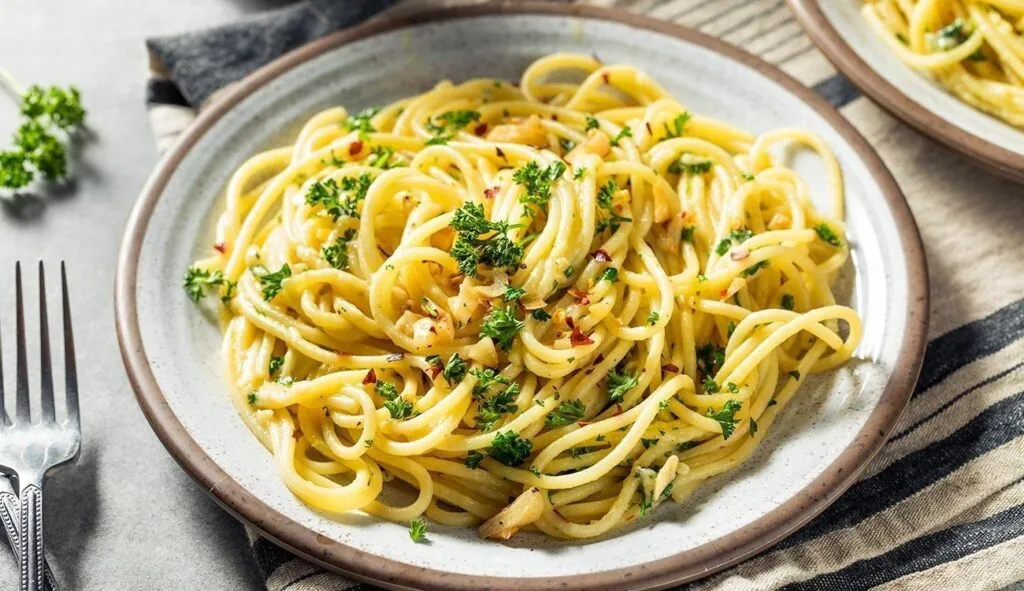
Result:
x=525 y=296
x=953 y=69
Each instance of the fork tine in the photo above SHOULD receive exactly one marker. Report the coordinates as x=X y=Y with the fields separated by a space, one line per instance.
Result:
x=70 y=373
x=22 y=413
x=46 y=374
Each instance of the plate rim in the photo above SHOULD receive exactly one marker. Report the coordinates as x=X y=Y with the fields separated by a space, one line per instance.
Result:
x=692 y=564
x=902 y=106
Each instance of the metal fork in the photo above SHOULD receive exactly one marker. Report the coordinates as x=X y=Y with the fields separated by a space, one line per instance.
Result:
x=29 y=451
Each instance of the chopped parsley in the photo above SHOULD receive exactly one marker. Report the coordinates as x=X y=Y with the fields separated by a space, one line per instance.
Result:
x=579 y=173
x=361 y=121
x=340 y=200
x=624 y=133
x=399 y=408
x=710 y=358
x=952 y=35
x=509 y=449
x=730 y=328
x=496 y=249
x=787 y=301
x=540 y=314
x=502 y=325
x=446 y=125
x=690 y=167
x=678 y=125
x=826 y=233
x=566 y=144
x=474 y=458
x=486 y=378
x=611 y=275
x=252 y=398
x=386 y=390
x=619 y=383
x=271 y=282
x=731 y=387
x=198 y=281
x=592 y=123
x=686 y=234
x=753 y=427
x=336 y=254
x=566 y=413
x=454 y=370
x=710 y=385
x=538 y=181
x=738 y=237
x=569 y=271
x=753 y=269
x=513 y=294
x=607 y=193
x=653 y=318
x=726 y=417
x=418 y=530
x=647 y=443
x=275 y=365
x=493 y=408
x=794 y=374
x=380 y=157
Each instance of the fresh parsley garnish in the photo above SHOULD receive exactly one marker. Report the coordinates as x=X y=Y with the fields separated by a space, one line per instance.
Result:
x=653 y=318
x=418 y=530
x=540 y=314
x=592 y=123
x=690 y=167
x=538 y=181
x=485 y=378
x=336 y=254
x=787 y=301
x=275 y=365
x=481 y=241
x=361 y=121
x=198 y=281
x=513 y=294
x=726 y=417
x=454 y=370
x=623 y=133
x=611 y=275
x=340 y=200
x=678 y=125
x=271 y=282
x=386 y=390
x=399 y=408
x=446 y=125
x=686 y=234
x=619 y=383
x=493 y=408
x=566 y=413
x=37 y=148
x=826 y=233
x=502 y=325
x=509 y=449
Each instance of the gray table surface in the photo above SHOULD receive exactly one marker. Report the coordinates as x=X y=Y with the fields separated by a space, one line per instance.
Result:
x=125 y=516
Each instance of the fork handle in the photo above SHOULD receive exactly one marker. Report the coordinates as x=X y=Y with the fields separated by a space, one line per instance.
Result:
x=32 y=536
x=10 y=516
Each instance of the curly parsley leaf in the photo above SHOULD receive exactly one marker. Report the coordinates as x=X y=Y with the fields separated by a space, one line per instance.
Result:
x=454 y=370
x=566 y=413
x=336 y=254
x=726 y=417
x=538 y=181
x=510 y=449
x=493 y=408
x=271 y=282
x=619 y=383
x=446 y=125
x=481 y=241
x=198 y=281
x=502 y=325
x=827 y=234
x=418 y=530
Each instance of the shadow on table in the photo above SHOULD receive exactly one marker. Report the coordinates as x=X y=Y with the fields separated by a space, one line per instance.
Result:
x=72 y=513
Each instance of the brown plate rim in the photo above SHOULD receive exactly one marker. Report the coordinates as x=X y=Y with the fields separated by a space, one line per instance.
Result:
x=684 y=566
x=997 y=159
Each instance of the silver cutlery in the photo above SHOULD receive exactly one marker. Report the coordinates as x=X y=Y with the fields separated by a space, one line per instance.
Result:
x=29 y=450
x=11 y=517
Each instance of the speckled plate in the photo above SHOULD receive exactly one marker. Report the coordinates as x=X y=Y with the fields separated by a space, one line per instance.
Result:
x=819 y=445
x=842 y=34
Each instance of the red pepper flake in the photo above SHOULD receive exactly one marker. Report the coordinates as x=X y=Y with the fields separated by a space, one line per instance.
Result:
x=582 y=423
x=554 y=116
x=395 y=357
x=499 y=152
x=490 y=192
x=220 y=247
x=602 y=256
x=577 y=338
x=670 y=367
x=723 y=293
x=739 y=255
x=355 y=148
x=581 y=297
x=618 y=410
x=433 y=330
x=599 y=358
x=371 y=377
x=605 y=78
x=480 y=129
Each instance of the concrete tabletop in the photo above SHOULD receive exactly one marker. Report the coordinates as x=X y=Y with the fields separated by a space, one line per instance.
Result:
x=125 y=516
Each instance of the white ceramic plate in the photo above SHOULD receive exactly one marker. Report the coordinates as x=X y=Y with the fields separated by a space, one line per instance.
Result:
x=171 y=351
x=842 y=34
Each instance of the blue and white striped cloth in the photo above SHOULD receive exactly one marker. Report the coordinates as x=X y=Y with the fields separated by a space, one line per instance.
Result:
x=942 y=506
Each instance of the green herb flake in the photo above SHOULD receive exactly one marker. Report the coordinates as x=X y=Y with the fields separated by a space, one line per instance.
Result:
x=418 y=530
x=726 y=417
x=566 y=413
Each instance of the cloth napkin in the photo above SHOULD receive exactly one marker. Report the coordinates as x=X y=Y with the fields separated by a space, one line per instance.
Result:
x=942 y=505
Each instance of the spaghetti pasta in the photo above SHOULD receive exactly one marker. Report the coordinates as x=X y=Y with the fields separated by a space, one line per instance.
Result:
x=549 y=306
x=974 y=49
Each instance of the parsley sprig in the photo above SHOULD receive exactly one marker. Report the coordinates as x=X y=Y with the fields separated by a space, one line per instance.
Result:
x=620 y=382
x=481 y=241
x=726 y=417
x=502 y=325
x=446 y=125
x=336 y=254
x=340 y=199
x=566 y=413
x=271 y=282
x=538 y=181
x=38 y=146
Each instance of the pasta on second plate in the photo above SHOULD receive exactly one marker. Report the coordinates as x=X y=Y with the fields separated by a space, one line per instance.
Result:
x=551 y=306
x=974 y=49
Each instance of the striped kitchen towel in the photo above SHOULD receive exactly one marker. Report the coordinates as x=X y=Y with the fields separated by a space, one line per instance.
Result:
x=942 y=506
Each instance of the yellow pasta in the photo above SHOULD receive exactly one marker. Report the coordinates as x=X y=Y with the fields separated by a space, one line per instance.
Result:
x=548 y=306
x=974 y=49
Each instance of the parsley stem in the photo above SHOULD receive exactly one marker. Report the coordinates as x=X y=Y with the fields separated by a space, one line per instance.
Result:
x=8 y=81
